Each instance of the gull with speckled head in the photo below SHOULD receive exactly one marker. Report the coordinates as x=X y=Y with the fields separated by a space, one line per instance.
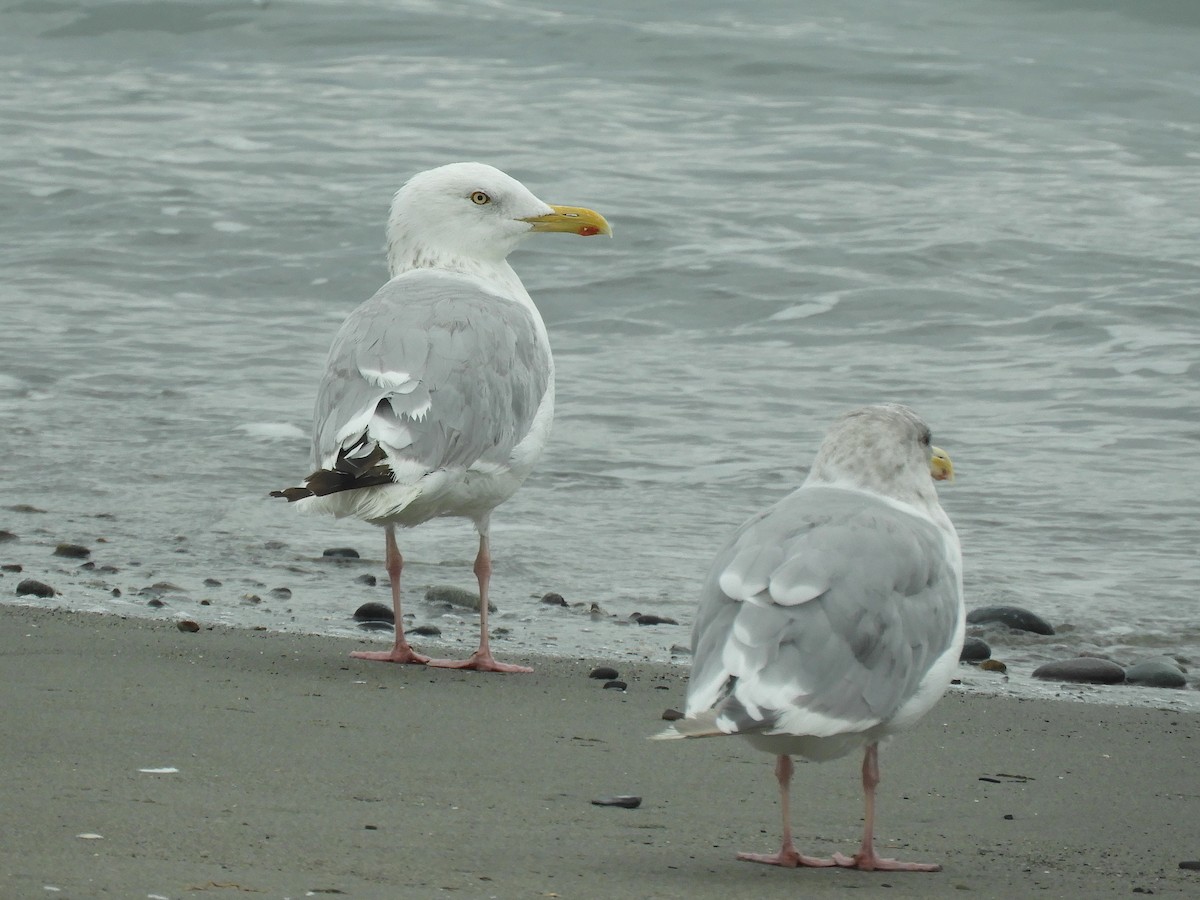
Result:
x=438 y=392
x=834 y=619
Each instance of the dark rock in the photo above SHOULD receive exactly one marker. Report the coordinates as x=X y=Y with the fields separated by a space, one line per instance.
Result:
x=974 y=650
x=251 y=599
x=88 y=566
x=212 y=582
x=156 y=602
x=116 y=592
x=1190 y=864
x=206 y=602
x=188 y=625
x=1156 y=673
x=107 y=569
x=604 y=673
x=341 y=553
x=553 y=599
x=993 y=665
x=368 y=579
x=374 y=612
x=6 y=536
x=671 y=715
x=1084 y=669
x=651 y=619
x=1012 y=616
x=446 y=593
x=25 y=508
x=12 y=567
x=36 y=588
x=427 y=630
x=281 y=593
x=625 y=801
x=376 y=625
x=615 y=685
x=72 y=551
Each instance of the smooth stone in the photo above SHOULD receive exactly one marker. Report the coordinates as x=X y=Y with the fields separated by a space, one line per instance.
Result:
x=368 y=579
x=341 y=553
x=156 y=602
x=188 y=625
x=651 y=619
x=447 y=593
x=1155 y=673
x=1192 y=865
x=1086 y=669
x=615 y=686
x=72 y=551
x=604 y=673
x=427 y=630
x=36 y=588
x=212 y=582
x=993 y=665
x=974 y=650
x=374 y=612
x=281 y=593
x=25 y=508
x=1012 y=616
x=625 y=801
x=12 y=567
x=6 y=536
x=553 y=599
x=671 y=715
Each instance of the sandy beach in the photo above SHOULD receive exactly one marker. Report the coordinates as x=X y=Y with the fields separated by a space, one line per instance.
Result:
x=303 y=773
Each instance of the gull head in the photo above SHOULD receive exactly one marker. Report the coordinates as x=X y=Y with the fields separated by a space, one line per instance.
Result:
x=465 y=214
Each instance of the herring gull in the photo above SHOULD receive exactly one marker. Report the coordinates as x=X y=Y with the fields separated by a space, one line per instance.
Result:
x=834 y=618
x=438 y=392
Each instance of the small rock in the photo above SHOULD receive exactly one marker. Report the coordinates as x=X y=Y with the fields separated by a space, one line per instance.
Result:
x=188 y=625
x=680 y=650
x=274 y=545
x=251 y=599
x=25 y=508
x=12 y=567
x=445 y=593
x=1012 y=616
x=281 y=593
x=72 y=551
x=1084 y=669
x=427 y=630
x=615 y=685
x=1190 y=864
x=974 y=650
x=212 y=582
x=993 y=665
x=651 y=619
x=553 y=599
x=341 y=553
x=36 y=588
x=116 y=592
x=6 y=536
x=1155 y=673
x=374 y=612
x=156 y=602
x=671 y=715
x=604 y=673
x=368 y=579
x=625 y=801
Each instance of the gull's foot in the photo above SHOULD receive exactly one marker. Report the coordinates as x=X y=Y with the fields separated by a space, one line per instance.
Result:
x=788 y=857
x=479 y=662
x=395 y=655
x=872 y=863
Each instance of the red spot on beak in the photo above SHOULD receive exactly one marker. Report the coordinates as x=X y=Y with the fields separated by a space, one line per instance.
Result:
x=588 y=230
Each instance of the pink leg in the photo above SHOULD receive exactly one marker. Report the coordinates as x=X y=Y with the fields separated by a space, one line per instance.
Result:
x=788 y=856
x=481 y=660
x=865 y=858
x=401 y=652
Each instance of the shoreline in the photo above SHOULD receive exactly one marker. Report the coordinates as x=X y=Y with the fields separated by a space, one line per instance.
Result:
x=302 y=772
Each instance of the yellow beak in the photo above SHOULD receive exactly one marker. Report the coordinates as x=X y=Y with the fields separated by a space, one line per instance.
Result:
x=940 y=466
x=571 y=219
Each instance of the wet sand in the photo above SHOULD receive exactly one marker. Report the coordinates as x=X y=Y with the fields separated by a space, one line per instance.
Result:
x=303 y=773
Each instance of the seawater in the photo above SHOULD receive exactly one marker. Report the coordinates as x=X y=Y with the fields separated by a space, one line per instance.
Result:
x=986 y=210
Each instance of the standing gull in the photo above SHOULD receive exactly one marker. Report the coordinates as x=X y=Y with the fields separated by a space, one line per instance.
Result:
x=438 y=392
x=834 y=619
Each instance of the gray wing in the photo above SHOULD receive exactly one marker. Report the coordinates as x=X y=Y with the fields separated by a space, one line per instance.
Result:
x=822 y=615
x=435 y=370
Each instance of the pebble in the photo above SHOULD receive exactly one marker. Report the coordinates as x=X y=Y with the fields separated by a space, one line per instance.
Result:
x=341 y=553
x=993 y=665
x=651 y=619
x=212 y=582
x=1156 y=673
x=1086 y=669
x=6 y=536
x=625 y=801
x=374 y=612
x=368 y=579
x=427 y=630
x=156 y=602
x=12 y=567
x=604 y=673
x=188 y=625
x=37 y=588
x=615 y=685
x=671 y=715
x=1190 y=864
x=553 y=599
x=25 y=508
x=281 y=593
x=1012 y=616
x=974 y=650
x=72 y=551
x=446 y=593
x=251 y=598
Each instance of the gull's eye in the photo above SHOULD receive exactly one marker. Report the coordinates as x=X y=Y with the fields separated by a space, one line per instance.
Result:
x=479 y=198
